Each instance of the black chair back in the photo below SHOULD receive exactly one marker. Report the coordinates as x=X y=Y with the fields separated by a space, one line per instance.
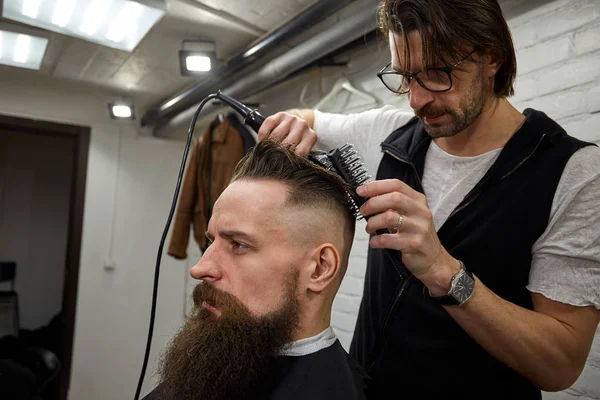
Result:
x=9 y=301
x=8 y=271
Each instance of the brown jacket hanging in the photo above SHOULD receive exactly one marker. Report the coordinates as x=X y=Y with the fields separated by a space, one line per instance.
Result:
x=208 y=174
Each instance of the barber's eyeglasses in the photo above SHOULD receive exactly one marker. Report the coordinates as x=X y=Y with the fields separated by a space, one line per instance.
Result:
x=432 y=79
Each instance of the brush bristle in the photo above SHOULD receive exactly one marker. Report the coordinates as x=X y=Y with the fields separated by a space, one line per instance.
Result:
x=347 y=163
x=350 y=161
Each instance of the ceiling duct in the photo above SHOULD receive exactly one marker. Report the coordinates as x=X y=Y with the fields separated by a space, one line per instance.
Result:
x=232 y=68
x=340 y=34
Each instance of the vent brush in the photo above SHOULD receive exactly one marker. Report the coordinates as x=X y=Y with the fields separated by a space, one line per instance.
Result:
x=347 y=163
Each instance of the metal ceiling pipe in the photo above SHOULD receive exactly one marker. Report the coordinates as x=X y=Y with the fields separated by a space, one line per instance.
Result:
x=341 y=33
x=303 y=21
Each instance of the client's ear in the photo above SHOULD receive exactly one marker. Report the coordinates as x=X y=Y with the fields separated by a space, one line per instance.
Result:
x=324 y=267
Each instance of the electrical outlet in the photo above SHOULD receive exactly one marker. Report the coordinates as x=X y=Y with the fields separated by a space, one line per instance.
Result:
x=109 y=265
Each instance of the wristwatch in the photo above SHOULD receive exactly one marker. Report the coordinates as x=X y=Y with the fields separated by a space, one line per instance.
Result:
x=462 y=286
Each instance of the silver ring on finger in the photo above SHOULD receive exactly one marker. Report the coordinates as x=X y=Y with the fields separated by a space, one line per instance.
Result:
x=394 y=229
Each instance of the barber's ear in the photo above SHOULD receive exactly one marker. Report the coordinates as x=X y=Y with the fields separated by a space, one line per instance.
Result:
x=324 y=267
x=493 y=61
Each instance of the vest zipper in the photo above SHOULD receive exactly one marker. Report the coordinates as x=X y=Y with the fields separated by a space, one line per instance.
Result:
x=473 y=195
x=526 y=158
x=397 y=296
x=390 y=151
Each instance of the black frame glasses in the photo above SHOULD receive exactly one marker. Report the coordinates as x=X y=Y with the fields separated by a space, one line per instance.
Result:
x=442 y=76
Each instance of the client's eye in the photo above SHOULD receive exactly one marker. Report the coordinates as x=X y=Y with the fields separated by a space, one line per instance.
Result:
x=238 y=245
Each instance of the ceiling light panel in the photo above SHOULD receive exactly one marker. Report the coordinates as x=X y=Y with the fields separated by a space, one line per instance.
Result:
x=20 y=50
x=120 y=24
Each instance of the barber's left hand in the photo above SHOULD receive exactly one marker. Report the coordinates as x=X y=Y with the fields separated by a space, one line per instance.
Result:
x=422 y=251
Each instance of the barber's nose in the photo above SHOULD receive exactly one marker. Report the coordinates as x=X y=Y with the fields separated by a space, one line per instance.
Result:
x=208 y=267
x=419 y=96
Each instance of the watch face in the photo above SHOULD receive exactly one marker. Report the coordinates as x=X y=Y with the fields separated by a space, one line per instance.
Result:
x=463 y=287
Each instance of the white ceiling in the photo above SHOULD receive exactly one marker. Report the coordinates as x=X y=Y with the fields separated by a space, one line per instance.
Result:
x=150 y=73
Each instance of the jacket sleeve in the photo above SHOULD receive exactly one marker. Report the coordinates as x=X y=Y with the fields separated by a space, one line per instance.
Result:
x=185 y=208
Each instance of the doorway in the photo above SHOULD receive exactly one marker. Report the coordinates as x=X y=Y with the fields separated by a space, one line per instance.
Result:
x=25 y=176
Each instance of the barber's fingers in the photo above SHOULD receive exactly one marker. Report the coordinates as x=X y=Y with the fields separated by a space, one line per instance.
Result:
x=276 y=127
x=300 y=137
x=309 y=138
x=270 y=123
x=383 y=186
x=290 y=130
x=281 y=131
x=391 y=221
x=392 y=201
x=400 y=241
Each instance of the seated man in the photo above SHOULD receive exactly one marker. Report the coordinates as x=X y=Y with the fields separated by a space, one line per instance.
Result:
x=280 y=237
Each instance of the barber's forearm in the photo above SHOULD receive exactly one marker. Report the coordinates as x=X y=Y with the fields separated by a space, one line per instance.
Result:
x=306 y=114
x=536 y=345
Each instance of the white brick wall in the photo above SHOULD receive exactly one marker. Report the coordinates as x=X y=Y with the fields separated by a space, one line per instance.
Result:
x=347 y=301
x=558 y=53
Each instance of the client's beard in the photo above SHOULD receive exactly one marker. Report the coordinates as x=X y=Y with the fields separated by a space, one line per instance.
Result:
x=228 y=357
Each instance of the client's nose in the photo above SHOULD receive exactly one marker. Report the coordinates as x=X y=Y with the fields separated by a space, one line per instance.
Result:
x=207 y=268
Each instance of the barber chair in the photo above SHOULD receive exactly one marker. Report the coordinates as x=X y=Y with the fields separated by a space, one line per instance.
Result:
x=24 y=370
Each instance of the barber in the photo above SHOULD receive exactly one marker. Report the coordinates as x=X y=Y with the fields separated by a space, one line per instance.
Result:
x=494 y=211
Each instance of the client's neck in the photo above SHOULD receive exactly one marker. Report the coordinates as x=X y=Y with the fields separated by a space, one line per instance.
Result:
x=312 y=323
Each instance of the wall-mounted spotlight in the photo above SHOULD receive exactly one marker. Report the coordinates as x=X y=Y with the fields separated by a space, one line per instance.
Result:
x=197 y=57
x=121 y=110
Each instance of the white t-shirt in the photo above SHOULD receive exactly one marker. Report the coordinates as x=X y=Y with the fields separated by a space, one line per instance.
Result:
x=566 y=257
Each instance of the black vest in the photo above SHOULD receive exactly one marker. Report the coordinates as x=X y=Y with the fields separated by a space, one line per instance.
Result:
x=407 y=342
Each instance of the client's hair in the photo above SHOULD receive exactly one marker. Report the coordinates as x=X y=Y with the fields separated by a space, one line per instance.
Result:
x=309 y=185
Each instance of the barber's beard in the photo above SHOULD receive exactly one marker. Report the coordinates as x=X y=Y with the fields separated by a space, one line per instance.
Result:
x=228 y=357
x=470 y=107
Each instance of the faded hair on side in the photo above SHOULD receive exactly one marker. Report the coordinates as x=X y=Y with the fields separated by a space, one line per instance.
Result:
x=450 y=30
x=308 y=185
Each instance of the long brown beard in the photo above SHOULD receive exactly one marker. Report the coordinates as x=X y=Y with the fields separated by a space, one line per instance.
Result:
x=470 y=107
x=228 y=357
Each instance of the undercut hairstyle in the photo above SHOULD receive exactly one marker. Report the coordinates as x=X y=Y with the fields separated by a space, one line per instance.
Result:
x=308 y=185
x=450 y=30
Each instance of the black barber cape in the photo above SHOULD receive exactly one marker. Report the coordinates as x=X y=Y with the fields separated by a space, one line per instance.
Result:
x=329 y=374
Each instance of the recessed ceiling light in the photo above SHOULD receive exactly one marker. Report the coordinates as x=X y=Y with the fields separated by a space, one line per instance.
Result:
x=119 y=24
x=94 y=16
x=31 y=8
x=22 y=50
x=21 y=53
x=127 y=20
x=62 y=12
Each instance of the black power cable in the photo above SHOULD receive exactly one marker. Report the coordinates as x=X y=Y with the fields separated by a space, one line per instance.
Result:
x=251 y=118
x=162 y=242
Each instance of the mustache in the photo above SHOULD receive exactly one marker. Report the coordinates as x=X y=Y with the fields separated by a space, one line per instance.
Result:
x=431 y=111
x=217 y=298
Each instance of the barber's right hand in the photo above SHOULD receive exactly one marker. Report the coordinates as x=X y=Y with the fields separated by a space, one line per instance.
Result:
x=290 y=130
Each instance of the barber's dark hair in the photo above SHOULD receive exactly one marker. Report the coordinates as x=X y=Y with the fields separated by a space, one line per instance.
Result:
x=451 y=29
x=309 y=185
